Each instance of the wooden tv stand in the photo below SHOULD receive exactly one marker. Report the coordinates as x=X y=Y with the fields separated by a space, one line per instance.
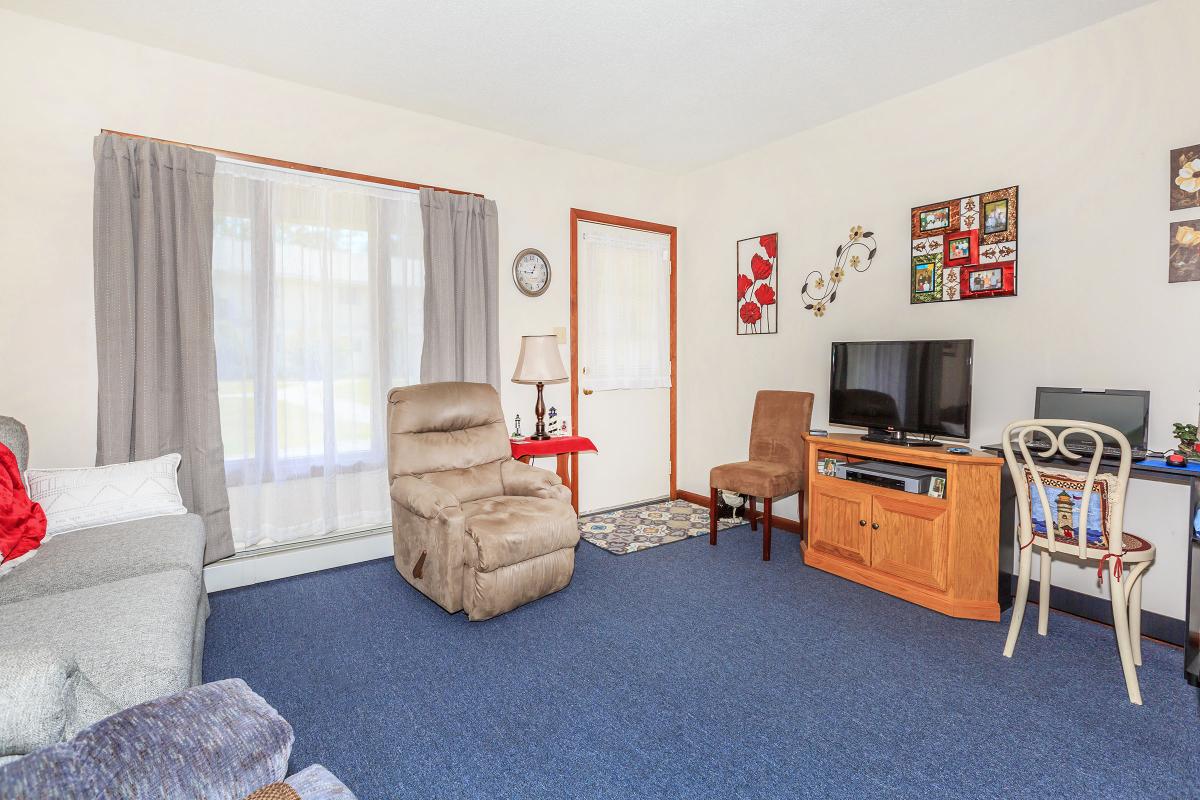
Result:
x=941 y=553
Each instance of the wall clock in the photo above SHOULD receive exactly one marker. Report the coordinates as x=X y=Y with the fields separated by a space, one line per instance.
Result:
x=531 y=272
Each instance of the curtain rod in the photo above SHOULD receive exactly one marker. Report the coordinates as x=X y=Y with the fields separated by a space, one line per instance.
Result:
x=293 y=165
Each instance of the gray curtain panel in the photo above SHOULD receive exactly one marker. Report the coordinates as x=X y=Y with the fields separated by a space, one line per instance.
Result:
x=462 y=274
x=153 y=234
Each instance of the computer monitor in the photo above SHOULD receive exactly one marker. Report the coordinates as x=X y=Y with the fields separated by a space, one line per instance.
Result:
x=1127 y=411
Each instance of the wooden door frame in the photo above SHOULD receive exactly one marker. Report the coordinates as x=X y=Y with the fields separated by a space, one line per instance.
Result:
x=579 y=215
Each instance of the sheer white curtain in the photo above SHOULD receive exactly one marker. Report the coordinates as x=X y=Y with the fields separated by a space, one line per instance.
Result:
x=318 y=287
x=627 y=318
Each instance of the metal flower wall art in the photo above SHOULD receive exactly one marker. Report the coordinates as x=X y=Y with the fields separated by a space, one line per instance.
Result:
x=856 y=253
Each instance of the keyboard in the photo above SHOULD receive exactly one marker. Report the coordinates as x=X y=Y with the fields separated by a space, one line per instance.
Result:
x=1087 y=448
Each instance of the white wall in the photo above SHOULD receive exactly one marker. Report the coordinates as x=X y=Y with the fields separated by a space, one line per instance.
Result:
x=1084 y=125
x=60 y=85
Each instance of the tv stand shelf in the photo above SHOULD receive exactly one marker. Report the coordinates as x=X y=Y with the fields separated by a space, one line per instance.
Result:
x=941 y=553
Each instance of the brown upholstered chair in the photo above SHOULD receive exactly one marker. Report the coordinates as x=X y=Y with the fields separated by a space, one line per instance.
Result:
x=777 y=460
x=473 y=528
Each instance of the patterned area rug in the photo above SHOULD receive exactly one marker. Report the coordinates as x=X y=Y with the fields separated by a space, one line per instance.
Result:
x=628 y=530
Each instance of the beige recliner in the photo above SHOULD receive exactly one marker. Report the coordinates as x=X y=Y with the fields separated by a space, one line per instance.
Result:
x=473 y=528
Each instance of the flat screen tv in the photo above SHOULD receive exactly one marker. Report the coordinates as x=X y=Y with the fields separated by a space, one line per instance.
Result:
x=897 y=388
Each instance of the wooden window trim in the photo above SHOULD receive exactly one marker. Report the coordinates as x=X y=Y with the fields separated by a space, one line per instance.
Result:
x=293 y=165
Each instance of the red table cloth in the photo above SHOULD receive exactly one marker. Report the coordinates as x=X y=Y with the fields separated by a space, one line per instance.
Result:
x=555 y=445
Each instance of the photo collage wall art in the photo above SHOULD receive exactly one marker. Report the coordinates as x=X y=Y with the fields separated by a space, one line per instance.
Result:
x=965 y=249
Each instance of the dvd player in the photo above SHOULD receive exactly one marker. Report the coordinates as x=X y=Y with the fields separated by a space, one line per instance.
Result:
x=904 y=477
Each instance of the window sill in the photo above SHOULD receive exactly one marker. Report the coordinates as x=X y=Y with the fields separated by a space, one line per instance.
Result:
x=297 y=558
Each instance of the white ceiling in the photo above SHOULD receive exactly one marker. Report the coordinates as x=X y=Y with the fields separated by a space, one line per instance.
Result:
x=666 y=84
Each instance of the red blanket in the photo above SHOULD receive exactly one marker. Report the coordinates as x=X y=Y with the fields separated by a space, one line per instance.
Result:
x=22 y=521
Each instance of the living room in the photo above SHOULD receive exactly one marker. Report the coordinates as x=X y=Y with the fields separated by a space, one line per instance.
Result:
x=624 y=655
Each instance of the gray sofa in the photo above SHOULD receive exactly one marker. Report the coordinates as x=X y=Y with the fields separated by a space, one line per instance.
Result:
x=126 y=601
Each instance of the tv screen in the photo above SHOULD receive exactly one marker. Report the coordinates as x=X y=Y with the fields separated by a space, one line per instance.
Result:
x=914 y=387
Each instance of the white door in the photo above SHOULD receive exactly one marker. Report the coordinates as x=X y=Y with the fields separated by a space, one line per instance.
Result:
x=624 y=303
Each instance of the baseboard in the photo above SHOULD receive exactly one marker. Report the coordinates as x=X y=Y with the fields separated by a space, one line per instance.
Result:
x=692 y=497
x=1099 y=609
x=777 y=523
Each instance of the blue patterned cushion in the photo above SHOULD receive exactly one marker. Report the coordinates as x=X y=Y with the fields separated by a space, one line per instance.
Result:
x=1064 y=493
x=218 y=740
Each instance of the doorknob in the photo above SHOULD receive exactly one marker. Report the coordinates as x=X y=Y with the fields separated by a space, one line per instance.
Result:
x=587 y=391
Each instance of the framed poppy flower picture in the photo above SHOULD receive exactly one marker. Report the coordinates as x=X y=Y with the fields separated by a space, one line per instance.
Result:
x=758 y=284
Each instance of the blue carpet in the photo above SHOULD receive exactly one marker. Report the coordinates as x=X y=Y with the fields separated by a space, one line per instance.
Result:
x=693 y=671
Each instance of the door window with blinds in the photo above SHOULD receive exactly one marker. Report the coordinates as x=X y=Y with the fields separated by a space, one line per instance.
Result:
x=626 y=321
x=318 y=288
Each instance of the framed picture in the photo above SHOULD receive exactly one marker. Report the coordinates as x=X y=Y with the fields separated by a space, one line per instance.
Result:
x=935 y=219
x=995 y=216
x=937 y=487
x=927 y=278
x=961 y=248
x=998 y=216
x=1185 y=177
x=1185 y=252
x=758 y=284
x=965 y=248
x=987 y=280
x=923 y=279
x=828 y=466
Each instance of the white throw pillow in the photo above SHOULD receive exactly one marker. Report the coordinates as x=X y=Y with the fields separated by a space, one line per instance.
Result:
x=88 y=497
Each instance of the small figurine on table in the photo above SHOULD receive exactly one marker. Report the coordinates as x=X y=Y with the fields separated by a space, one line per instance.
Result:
x=552 y=421
x=516 y=434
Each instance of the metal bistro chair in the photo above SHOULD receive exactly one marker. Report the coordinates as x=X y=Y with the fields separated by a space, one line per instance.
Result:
x=1068 y=500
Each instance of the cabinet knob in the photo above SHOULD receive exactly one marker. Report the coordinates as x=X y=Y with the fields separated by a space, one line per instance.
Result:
x=874 y=526
x=862 y=523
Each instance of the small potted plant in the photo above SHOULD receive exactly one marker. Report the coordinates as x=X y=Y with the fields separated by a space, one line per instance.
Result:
x=1188 y=446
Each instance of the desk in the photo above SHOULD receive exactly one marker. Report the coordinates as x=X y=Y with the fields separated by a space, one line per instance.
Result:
x=560 y=446
x=1152 y=469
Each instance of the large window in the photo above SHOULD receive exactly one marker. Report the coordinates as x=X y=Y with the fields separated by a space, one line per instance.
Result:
x=318 y=287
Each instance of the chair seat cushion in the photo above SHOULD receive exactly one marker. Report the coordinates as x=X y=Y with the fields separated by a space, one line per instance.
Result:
x=508 y=530
x=756 y=478
x=1130 y=543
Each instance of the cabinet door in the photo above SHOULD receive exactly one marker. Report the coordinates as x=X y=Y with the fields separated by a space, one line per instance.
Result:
x=839 y=522
x=911 y=541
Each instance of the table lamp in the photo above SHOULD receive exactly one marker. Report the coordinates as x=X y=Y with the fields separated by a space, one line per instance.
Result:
x=539 y=363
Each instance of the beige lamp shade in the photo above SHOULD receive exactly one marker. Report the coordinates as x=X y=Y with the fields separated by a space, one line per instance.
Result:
x=539 y=361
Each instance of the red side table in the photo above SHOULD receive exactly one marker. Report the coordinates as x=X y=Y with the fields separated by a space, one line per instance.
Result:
x=562 y=447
